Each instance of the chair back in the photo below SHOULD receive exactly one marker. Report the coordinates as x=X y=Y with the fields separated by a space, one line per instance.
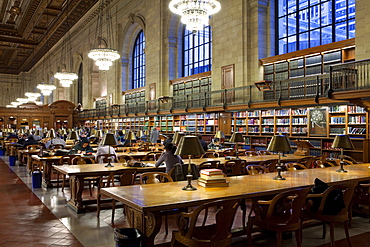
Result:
x=209 y=164
x=149 y=157
x=255 y=169
x=33 y=147
x=251 y=153
x=307 y=162
x=103 y=158
x=211 y=155
x=293 y=166
x=56 y=146
x=285 y=208
x=67 y=159
x=80 y=160
x=265 y=152
x=154 y=177
x=270 y=165
x=230 y=152
x=235 y=167
x=127 y=178
x=347 y=157
x=125 y=158
x=216 y=230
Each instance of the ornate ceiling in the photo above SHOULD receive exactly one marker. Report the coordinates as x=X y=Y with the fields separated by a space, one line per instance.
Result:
x=29 y=28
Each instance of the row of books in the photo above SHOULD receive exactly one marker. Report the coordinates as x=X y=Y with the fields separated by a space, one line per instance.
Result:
x=210 y=178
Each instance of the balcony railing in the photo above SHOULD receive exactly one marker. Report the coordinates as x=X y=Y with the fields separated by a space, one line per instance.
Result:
x=343 y=77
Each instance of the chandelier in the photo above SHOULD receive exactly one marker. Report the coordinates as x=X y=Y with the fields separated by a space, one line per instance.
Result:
x=66 y=78
x=32 y=96
x=103 y=57
x=195 y=13
x=46 y=89
x=22 y=100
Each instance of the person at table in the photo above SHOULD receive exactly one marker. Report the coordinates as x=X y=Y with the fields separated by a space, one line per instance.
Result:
x=83 y=147
x=12 y=136
x=56 y=141
x=30 y=141
x=105 y=150
x=22 y=140
x=203 y=143
x=168 y=140
x=169 y=157
x=154 y=135
x=215 y=144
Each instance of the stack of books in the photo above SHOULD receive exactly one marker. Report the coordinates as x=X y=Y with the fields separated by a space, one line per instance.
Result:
x=212 y=178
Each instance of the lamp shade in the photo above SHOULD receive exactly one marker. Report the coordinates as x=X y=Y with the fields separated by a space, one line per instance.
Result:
x=279 y=143
x=146 y=132
x=109 y=139
x=177 y=137
x=130 y=136
x=93 y=132
x=237 y=137
x=73 y=136
x=189 y=145
x=342 y=141
x=219 y=134
x=51 y=134
x=63 y=132
x=37 y=132
x=140 y=133
x=99 y=134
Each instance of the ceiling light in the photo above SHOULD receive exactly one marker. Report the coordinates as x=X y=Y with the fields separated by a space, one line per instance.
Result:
x=46 y=89
x=195 y=13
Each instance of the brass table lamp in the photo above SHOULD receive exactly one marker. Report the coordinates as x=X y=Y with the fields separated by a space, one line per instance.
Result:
x=108 y=140
x=342 y=142
x=189 y=145
x=279 y=144
x=131 y=137
x=219 y=135
x=236 y=138
x=51 y=134
x=177 y=137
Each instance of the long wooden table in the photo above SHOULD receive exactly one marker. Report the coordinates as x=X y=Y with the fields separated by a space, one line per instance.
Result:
x=77 y=174
x=143 y=203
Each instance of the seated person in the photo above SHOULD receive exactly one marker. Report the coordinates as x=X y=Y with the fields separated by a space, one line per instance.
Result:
x=56 y=140
x=105 y=150
x=30 y=141
x=169 y=157
x=203 y=143
x=215 y=144
x=22 y=140
x=83 y=147
x=12 y=136
x=168 y=140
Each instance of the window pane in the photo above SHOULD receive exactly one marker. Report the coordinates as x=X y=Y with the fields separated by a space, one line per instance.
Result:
x=292 y=46
x=303 y=41
x=292 y=24
x=326 y=14
x=303 y=20
x=292 y=7
x=351 y=28
x=314 y=18
x=341 y=31
x=282 y=7
x=282 y=46
x=303 y=4
x=326 y=35
x=314 y=38
x=138 y=62
x=282 y=27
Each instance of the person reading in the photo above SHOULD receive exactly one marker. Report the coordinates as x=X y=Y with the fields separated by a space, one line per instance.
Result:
x=169 y=157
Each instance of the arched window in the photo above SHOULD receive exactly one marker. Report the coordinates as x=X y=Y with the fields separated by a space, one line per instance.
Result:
x=138 y=59
x=303 y=24
x=197 y=51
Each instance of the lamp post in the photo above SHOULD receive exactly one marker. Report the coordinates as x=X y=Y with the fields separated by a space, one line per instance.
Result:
x=189 y=145
x=108 y=140
x=279 y=144
x=236 y=138
x=342 y=142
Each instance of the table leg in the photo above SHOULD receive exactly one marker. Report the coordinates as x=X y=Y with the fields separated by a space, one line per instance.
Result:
x=76 y=184
x=148 y=223
x=46 y=174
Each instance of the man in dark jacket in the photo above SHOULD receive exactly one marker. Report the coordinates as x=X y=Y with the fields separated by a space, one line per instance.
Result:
x=82 y=147
x=30 y=141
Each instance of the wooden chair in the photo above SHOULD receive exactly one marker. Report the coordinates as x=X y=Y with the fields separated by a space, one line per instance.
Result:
x=321 y=214
x=209 y=164
x=158 y=177
x=229 y=152
x=56 y=146
x=307 y=161
x=209 y=233
x=65 y=160
x=211 y=155
x=125 y=158
x=33 y=147
x=125 y=179
x=270 y=165
x=104 y=158
x=282 y=213
x=251 y=153
x=321 y=161
x=293 y=166
x=255 y=169
x=149 y=157
x=234 y=167
x=265 y=152
x=80 y=160
x=361 y=200
x=347 y=157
